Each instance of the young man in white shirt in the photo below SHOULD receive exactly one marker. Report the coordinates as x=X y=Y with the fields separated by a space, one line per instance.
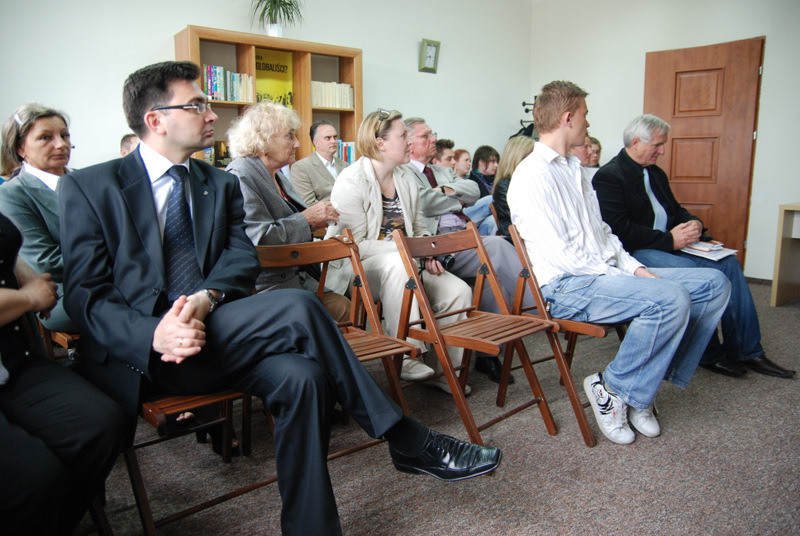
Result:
x=586 y=275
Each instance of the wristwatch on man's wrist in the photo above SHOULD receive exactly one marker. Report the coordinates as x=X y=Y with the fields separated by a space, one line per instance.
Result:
x=211 y=299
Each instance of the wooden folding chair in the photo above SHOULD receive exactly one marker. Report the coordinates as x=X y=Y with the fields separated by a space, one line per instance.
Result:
x=65 y=340
x=479 y=331
x=367 y=345
x=495 y=216
x=160 y=412
x=571 y=329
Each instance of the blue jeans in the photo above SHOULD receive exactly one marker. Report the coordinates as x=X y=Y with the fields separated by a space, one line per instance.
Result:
x=671 y=321
x=741 y=335
x=481 y=214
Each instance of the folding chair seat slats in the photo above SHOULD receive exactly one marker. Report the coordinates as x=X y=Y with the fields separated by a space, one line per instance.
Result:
x=480 y=331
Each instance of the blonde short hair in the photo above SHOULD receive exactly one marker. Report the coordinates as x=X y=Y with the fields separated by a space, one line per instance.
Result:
x=376 y=125
x=252 y=133
x=515 y=152
x=556 y=98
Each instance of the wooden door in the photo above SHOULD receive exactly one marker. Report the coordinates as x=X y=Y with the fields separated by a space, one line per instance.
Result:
x=710 y=97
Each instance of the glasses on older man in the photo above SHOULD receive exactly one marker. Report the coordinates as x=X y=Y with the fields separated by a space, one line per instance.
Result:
x=199 y=107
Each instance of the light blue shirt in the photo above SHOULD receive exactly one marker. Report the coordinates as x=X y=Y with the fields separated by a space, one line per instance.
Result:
x=660 y=221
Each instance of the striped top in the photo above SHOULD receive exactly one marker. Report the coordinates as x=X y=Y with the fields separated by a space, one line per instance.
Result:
x=557 y=214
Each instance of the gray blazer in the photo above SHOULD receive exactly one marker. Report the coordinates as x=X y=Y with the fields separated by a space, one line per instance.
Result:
x=434 y=203
x=312 y=181
x=270 y=220
x=33 y=207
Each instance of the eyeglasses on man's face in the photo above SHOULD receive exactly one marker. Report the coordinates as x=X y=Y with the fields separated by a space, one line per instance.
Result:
x=199 y=107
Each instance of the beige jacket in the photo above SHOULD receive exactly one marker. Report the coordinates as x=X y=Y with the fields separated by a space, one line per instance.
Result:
x=356 y=195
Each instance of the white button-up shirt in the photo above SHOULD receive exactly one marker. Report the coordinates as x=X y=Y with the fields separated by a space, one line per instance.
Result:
x=556 y=212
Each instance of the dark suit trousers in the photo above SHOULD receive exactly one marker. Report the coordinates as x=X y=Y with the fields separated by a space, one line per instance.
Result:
x=59 y=438
x=283 y=346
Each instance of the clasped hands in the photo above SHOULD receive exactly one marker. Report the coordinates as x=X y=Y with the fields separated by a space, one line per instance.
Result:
x=686 y=234
x=320 y=215
x=41 y=292
x=181 y=332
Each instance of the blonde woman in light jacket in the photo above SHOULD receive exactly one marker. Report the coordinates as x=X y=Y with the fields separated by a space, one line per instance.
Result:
x=375 y=196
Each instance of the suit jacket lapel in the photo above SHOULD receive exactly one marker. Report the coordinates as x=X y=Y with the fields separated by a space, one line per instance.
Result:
x=288 y=189
x=203 y=200
x=136 y=190
x=41 y=194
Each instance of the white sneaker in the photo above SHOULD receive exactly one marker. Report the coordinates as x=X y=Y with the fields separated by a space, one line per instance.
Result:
x=609 y=410
x=441 y=384
x=415 y=370
x=644 y=420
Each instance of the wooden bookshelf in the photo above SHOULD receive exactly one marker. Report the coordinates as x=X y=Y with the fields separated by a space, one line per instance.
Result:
x=236 y=51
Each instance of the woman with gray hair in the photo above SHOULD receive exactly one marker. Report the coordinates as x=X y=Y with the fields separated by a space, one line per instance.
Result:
x=35 y=152
x=262 y=141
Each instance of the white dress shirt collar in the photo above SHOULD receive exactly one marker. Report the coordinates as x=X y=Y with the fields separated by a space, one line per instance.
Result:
x=417 y=164
x=49 y=179
x=157 y=166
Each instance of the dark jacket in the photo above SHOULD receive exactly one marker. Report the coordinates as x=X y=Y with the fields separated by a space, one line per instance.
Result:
x=626 y=207
x=484 y=182
x=114 y=276
x=501 y=205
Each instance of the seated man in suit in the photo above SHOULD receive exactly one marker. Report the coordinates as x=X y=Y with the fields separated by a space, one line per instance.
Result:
x=159 y=275
x=313 y=176
x=586 y=275
x=442 y=197
x=637 y=202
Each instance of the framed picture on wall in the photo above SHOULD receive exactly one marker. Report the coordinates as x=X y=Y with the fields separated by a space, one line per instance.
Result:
x=429 y=56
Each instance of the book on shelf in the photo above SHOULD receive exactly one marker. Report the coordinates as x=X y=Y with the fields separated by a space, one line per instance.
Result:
x=332 y=95
x=346 y=151
x=224 y=85
x=712 y=250
x=274 y=76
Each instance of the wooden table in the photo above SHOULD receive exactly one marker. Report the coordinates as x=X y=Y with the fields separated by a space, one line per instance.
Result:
x=786 y=279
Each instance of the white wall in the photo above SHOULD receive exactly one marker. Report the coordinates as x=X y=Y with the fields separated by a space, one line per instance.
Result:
x=82 y=52
x=605 y=54
x=76 y=55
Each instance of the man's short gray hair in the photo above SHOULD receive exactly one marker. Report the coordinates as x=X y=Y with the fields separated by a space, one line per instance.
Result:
x=411 y=121
x=643 y=127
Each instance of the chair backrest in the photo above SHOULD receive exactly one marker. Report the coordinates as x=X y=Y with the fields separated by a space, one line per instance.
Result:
x=421 y=247
x=527 y=277
x=496 y=217
x=323 y=252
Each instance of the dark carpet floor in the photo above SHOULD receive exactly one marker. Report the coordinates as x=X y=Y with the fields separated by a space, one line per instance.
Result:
x=727 y=463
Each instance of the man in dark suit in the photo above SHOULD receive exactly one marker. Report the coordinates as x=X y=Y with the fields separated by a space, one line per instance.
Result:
x=145 y=272
x=637 y=203
x=314 y=175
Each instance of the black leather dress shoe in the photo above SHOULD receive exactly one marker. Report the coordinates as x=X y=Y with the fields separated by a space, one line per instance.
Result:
x=762 y=365
x=491 y=366
x=447 y=458
x=726 y=367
